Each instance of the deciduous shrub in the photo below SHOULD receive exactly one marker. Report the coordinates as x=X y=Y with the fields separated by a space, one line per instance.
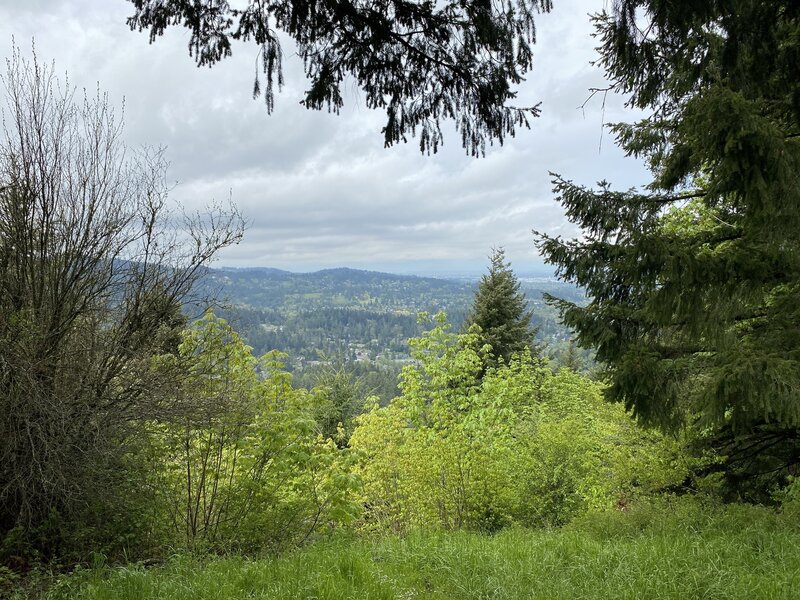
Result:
x=519 y=445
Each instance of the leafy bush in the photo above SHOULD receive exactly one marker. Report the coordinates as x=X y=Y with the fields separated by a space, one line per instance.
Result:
x=518 y=445
x=789 y=497
x=248 y=469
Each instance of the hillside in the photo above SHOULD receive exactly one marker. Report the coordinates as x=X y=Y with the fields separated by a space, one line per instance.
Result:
x=266 y=288
x=358 y=314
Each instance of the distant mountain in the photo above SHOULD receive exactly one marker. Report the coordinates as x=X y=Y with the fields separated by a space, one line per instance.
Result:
x=268 y=270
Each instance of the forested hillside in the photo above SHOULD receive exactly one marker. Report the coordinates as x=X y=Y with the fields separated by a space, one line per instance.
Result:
x=358 y=316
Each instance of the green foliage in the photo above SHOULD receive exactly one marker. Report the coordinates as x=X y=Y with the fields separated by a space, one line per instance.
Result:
x=568 y=355
x=247 y=467
x=501 y=312
x=518 y=445
x=695 y=283
x=789 y=499
x=341 y=398
x=668 y=550
x=420 y=62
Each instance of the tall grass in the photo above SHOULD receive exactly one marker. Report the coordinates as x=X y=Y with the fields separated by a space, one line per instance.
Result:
x=671 y=550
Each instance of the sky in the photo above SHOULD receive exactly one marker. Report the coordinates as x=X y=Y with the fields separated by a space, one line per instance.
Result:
x=319 y=190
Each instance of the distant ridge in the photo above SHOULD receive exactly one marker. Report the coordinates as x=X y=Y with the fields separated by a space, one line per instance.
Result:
x=357 y=312
x=266 y=270
x=338 y=272
x=527 y=271
x=271 y=288
x=349 y=271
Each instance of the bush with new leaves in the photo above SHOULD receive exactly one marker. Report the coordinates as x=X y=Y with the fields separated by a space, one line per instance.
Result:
x=519 y=445
x=247 y=469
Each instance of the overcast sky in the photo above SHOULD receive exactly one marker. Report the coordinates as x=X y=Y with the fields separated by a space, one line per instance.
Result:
x=319 y=190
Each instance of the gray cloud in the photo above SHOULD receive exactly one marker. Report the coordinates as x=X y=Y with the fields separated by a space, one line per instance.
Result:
x=320 y=190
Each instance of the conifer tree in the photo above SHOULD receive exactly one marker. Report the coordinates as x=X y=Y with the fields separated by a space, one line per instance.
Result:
x=419 y=62
x=570 y=358
x=696 y=281
x=500 y=309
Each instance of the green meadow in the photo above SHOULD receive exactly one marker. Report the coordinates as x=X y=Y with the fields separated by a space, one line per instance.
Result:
x=677 y=550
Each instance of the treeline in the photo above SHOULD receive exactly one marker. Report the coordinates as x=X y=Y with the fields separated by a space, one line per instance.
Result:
x=242 y=459
x=372 y=345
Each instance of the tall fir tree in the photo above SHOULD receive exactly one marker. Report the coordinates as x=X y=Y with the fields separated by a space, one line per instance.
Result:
x=696 y=281
x=500 y=309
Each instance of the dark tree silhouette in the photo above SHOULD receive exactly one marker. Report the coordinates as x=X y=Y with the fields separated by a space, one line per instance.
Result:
x=695 y=282
x=420 y=62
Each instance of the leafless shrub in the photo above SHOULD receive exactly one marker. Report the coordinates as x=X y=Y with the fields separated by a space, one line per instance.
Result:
x=94 y=266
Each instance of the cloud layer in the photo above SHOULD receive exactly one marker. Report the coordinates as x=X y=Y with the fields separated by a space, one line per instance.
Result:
x=319 y=190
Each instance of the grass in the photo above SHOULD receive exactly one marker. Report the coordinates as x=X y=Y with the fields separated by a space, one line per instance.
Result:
x=681 y=550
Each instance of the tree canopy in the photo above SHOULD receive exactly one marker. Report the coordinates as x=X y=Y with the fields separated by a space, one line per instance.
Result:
x=420 y=62
x=500 y=309
x=520 y=445
x=695 y=281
